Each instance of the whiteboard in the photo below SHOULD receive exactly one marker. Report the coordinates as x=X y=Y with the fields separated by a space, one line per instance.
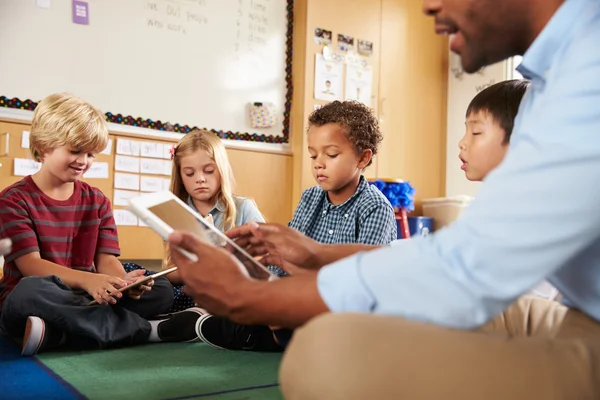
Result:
x=159 y=64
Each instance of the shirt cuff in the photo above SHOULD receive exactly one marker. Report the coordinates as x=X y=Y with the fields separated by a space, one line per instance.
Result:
x=342 y=288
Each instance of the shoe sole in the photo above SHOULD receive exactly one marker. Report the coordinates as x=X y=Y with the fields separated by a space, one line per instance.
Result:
x=202 y=313
x=34 y=335
x=201 y=336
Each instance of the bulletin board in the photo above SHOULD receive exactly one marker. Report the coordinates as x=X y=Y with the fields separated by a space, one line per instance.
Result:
x=166 y=65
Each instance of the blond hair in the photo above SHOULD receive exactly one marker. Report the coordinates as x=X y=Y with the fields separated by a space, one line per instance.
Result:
x=212 y=144
x=62 y=119
x=201 y=139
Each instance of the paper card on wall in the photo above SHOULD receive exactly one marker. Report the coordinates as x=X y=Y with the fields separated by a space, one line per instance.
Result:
x=328 y=79
x=108 y=148
x=167 y=150
x=151 y=166
x=166 y=184
x=121 y=197
x=25 y=139
x=98 y=170
x=127 y=181
x=359 y=81
x=81 y=12
x=128 y=147
x=25 y=166
x=167 y=168
x=151 y=184
x=152 y=149
x=125 y=217
x=127 y=164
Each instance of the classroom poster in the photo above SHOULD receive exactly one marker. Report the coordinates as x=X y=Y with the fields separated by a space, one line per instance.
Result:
x=328 y=79
x=359 y=80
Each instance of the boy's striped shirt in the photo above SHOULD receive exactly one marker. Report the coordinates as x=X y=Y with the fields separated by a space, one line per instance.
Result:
x=68 y=233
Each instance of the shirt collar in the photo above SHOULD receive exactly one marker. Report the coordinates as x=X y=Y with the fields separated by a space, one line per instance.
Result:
x=218 y=207
x=538 y=58
x=362 y=185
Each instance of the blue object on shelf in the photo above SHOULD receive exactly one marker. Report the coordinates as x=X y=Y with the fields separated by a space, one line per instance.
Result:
x=420 y=226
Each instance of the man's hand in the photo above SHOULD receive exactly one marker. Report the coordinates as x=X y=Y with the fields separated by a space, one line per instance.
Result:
x=134 y=276
x=218 y=281
x=103 y=288
x=278 y=245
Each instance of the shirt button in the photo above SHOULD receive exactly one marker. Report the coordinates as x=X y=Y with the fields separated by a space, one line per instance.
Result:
x=345 y=215
x=324 y=212
x=331 y=231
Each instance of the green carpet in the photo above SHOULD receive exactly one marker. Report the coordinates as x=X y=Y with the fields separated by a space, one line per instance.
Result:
x=169 y=371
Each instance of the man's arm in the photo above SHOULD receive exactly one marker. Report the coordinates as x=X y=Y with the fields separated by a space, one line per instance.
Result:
x=534 y=215
x=287 y=302
x=32 y=264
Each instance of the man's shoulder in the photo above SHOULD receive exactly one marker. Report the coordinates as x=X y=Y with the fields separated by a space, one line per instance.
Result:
x=372 y=197
x=17 y=190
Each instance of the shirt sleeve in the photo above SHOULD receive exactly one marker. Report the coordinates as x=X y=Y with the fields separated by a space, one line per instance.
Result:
x=108 y=239
x=377 y=225
x=250 y=212
x=535 y=215
x=16 y=225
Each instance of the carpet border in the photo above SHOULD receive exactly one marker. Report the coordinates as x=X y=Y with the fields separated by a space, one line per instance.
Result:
x=196 y=396
x=70 y=388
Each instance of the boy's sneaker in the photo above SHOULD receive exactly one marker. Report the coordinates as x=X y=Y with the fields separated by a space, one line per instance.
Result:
x=179 y=326
x=40 y=336
x=224 y=334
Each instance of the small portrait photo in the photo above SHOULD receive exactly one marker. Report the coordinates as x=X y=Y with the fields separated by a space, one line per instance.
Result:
x=345 y=42
x=322 y=36
x=365 y=47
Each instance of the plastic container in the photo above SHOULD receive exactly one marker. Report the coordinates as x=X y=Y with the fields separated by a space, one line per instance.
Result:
x=420 y=226
x=445 y=210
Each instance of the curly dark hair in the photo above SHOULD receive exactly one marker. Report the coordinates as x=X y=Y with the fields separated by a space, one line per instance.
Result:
x=361 y=126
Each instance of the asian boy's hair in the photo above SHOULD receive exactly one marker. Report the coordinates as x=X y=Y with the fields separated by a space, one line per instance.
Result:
x=501 y=101
x=357 y=120
x=62 y=119
x=212 y=144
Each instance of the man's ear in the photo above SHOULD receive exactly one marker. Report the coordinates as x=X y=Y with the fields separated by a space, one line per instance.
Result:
x=365 y=158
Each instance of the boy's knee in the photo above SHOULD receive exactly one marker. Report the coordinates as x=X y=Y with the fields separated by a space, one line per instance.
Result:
x=31 y=288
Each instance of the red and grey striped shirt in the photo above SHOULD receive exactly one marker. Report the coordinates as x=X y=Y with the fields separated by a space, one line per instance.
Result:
x=69 y=233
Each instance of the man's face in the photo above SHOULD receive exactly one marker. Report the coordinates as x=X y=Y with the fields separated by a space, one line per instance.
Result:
x=482 y=31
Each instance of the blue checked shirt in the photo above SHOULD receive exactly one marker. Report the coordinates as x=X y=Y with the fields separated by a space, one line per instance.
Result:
x=367 y=217
x=535 y=217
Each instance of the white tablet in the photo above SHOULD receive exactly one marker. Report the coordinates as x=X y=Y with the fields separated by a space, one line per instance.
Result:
x=164 y=213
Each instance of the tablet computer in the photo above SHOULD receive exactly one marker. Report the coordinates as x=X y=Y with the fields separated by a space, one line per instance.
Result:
x=142 y=281
x=164 y=213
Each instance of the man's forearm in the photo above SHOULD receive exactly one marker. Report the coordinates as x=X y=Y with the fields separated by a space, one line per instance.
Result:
x=110 y=265
x=287 y=302
x=330 y=253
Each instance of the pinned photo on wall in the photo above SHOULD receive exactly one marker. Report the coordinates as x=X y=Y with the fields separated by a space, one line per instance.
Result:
x=359 y=81
x=345 y=42
x=365 y=47
x=322 y=36
x=328 y=79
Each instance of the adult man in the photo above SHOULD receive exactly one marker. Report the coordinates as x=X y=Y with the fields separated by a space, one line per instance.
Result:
x=535 y=217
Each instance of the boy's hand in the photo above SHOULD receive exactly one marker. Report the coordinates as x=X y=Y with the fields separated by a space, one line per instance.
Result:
x=103 y=288
x=133 y=277
x=277 y=245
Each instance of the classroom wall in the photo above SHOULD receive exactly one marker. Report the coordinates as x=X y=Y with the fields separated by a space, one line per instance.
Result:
x=409 y=96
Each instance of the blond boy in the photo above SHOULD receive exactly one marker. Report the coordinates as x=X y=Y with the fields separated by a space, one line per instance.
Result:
x=65 y=247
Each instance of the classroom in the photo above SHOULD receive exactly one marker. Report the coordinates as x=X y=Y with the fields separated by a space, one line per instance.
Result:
x=250 y=85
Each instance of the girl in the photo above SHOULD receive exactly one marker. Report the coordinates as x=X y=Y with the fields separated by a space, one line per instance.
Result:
x=202 y=178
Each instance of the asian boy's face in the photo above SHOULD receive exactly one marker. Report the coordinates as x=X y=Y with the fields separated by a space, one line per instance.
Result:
x=334 y=159
x=482 y=148
x=200 y=176
x=68 y=165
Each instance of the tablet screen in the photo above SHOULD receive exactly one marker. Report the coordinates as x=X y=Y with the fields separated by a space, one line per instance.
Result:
x=179 y=217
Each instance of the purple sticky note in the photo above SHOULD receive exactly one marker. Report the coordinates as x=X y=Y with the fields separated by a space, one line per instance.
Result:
x=81 y=12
